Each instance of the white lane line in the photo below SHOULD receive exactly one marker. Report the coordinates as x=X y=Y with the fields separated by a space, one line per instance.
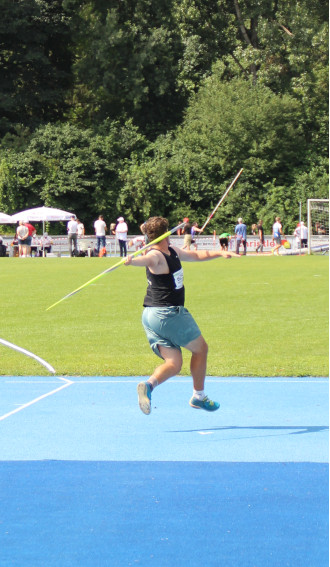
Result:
x=36 y=400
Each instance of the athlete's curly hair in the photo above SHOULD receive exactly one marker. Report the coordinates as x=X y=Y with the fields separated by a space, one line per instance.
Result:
x=156 y=226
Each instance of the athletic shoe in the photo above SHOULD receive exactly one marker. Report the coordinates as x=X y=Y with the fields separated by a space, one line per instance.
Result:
x=205 y=404
x=144 y=397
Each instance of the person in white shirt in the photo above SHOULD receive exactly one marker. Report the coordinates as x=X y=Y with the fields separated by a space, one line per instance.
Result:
x=277 y=235
x=81 y=234
x=22 y=234
x=121 y=235
x=301 y=234
x=46 y=244
x=138 y=242
x=100 y=228
x=80 y=228
x=72 y=236
x=34 y=245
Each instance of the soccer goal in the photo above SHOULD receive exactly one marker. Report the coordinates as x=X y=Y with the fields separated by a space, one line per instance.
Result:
x=318 y=225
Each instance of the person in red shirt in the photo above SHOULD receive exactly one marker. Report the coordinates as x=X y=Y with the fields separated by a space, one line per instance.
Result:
x=32 y=232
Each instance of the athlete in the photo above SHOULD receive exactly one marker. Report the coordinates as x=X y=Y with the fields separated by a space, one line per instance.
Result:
x=167 y=323
x=261 y=236
x=277 y=236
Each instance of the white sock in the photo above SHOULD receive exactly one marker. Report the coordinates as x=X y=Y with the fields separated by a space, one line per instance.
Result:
x=199 y=394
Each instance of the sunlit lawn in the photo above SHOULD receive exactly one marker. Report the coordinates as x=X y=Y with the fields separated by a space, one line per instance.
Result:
x=261 y=316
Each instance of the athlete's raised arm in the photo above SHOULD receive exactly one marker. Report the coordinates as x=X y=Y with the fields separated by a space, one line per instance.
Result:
x=202 y=255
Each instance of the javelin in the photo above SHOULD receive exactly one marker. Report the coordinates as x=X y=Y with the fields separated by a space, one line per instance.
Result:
x=222 y=199
x=28 y=353
x=136 y=253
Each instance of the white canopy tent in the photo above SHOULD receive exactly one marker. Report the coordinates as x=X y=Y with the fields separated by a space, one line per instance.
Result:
x=44 y=214
x=5 y=219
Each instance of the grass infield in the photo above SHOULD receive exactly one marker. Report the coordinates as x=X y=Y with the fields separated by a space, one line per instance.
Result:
x=261 y=316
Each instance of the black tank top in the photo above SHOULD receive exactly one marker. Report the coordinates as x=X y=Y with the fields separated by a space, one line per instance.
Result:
x=166 y=289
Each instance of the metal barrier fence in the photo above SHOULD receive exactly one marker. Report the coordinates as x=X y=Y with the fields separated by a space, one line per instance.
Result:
x=87 y=244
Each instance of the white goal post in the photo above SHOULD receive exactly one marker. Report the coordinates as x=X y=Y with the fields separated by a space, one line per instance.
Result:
x=318 y=225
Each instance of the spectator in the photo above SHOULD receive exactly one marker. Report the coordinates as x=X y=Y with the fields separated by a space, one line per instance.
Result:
x=80 y=228
x=46 y=245
x=72 y=236
x=34 y=245
x=319 y=228
x=143 y=230
x=15 y=246
x=187 y=235
x=100 y=228
x=261 y=236
x=121 y=235
x=254 y=230
x=224 y=239
x=180 y=231
x=277 y=235
x=22 y=235
x=297 y=235
x=194 y=229
x=32 y=232
x=240 y=231
x=301 y=234
x=3 y=248
x=138 y=242
x=80 y=235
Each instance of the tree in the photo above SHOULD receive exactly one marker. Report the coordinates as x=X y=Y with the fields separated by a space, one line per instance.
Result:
x=207 y=32
x=277 y=40
x=35 y=62
x=227 y=126
x=70 y=168
x=126 y=62
x=213 y=85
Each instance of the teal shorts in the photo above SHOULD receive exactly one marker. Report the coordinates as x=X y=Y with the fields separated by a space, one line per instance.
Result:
x=170 y=327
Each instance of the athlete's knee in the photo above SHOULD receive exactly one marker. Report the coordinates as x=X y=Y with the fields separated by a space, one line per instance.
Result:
x=172 y=359
x=176 y=362
x=198 y=347
x=176 y=366
x=204 y=347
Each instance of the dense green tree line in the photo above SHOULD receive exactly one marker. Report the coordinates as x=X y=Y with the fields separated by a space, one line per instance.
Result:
x=140 y=107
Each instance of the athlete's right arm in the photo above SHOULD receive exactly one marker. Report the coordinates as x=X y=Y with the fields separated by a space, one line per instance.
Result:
x=150 y=260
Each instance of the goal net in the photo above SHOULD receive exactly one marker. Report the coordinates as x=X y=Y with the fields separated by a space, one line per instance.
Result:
x=318 y=225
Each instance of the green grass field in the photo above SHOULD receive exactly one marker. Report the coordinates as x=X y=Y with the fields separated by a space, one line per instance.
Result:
x=261 y=316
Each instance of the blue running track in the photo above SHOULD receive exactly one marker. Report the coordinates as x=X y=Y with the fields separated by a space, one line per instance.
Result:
x=87 y=480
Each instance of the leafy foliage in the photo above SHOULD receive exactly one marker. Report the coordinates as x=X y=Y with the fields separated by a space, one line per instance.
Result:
x=69 y=167
x=194 y=166
x=140 y=107
x=35 y=62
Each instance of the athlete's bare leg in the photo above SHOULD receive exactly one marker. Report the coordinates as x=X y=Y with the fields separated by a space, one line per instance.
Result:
x=171 y=366
x=199 y=349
